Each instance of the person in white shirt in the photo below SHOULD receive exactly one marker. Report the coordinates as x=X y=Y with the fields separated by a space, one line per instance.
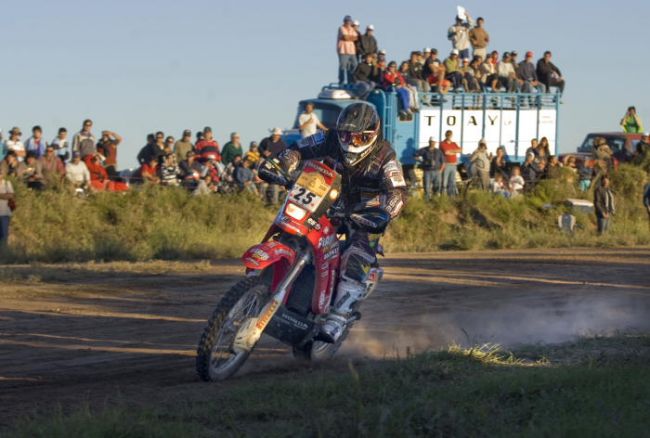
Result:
x=14 y=143
x=77 y=173
x=6 y=195
x=309 y=122
x=516 y=182
x=61 y=144
x=507 y=74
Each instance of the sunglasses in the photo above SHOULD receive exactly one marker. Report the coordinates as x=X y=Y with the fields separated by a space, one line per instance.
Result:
x=356 y=138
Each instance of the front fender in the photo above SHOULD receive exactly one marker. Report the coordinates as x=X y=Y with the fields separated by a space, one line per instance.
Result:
x=265 y=254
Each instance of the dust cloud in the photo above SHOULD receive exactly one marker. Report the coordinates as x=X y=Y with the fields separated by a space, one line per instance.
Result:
x=510 y=323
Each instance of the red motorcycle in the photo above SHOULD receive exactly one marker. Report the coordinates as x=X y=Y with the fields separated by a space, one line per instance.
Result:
x=290 y=277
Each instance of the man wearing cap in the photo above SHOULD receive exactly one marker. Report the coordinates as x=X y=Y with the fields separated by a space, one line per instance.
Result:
x=183 y=146
x=479 y=39
x=458 y=34
x=433 y=162
x=368 y=42
x=270 y=148
x=77 y=172
x=14 y=144
x=231 y=149
x=346 y=49
x=207 y=149
x=527 y=74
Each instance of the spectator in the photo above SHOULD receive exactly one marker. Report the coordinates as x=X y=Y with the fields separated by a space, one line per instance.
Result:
x=168 y=169
x=84 y=141
x=99 y=179
x=62 y=145
x=499 y=163
x=450 y=151
x=206 y=186
x=183 y=146
x=527 y=74
x=458 y=34
x=529 y=172
x=585 y=174
x=36 y=143
x=272 y=146
x=471 y=71
x=646 y=200
x=207 y=148
x=190 y=170
x=52 y=167
x=244 y=177
x=148 y=171
x=433 y=162
x=368 y=42
x=366 y=77
x=481 y=165
x=3 y=147
x=499 y=186
x=452 y=70
x=231 y=149
x=533 y=149
x=554 y=166
x=516 y=182
x=32 y=172
x=479 y=39
x=308 y=121
x=507 y=74
x=346 y=49
x=14 y=144
x=10 y=166
x=603 y=204
x=357 y=44
x=415 y=73
x=490 y=71
x=170 y=141
x=393 y=80
x=77 y=173
x=631 y=122
x=543 y=149
x=643 y=148
x=253 y=154
x=413 y=91
x=437 y=79
x=430 y=57
x=548 y=74
x=107 y=147
x=6 y=202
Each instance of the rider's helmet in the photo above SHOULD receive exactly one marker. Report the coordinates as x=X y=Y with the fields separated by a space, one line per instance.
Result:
x=358 y=128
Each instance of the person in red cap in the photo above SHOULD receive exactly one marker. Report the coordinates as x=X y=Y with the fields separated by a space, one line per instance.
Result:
x=527 y=75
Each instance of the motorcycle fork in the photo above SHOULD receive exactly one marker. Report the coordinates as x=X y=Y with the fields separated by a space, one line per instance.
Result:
x=251 y=331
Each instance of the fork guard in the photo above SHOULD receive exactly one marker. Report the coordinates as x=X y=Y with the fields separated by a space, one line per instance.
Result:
x=265 y=254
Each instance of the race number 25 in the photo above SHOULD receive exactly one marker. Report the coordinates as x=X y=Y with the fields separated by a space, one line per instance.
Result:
x=303 y=195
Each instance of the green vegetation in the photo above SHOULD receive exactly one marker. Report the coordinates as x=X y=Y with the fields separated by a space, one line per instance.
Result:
x=593 y=387
x=165 y=223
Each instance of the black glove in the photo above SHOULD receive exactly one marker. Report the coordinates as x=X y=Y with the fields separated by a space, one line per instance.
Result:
x=289 y=160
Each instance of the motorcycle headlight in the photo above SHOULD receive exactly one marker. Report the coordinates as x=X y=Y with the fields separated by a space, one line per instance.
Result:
x=295 y=212
x=334 y=194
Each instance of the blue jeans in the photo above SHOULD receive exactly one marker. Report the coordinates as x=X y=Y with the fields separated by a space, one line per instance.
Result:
x=4 y=229
x=431 y=181
x=449 y=180
x=404 y=98
x=347 y=65
x=603 y=224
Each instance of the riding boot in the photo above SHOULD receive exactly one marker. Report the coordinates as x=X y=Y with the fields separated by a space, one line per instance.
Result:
x=349 y=292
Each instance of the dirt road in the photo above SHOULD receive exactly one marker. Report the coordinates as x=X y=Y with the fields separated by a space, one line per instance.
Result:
x=93 y=332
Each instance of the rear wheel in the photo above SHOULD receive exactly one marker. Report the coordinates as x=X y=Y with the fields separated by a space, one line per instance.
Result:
x=216 y=359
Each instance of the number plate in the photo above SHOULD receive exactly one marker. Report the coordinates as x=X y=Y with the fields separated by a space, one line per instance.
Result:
x=309 y=190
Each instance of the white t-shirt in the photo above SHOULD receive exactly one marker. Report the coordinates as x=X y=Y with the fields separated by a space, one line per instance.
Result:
x=77 y=173
x=5 y=187
x=312 y=127
x=16 y=146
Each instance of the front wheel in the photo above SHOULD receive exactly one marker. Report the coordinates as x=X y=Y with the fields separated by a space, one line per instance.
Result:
x=216 y=359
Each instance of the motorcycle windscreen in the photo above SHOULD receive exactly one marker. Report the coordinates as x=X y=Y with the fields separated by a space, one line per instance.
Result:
x=313 y=186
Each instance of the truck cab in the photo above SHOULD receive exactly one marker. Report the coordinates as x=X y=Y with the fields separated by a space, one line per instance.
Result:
x=502 y=119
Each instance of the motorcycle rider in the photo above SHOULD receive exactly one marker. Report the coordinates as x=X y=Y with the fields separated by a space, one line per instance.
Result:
x=372 y=182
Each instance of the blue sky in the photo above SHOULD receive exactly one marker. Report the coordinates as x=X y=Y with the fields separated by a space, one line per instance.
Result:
x=138 y=66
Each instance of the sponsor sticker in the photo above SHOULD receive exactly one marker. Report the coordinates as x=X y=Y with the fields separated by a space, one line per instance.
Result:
x=264 y=319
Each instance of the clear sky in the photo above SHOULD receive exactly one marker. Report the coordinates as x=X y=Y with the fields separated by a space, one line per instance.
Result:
x=137 y=66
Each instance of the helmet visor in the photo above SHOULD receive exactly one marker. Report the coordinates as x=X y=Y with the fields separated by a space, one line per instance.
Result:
x=353 y=140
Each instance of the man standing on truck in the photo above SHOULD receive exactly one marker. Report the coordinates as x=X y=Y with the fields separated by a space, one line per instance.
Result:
x=309 y=122
x=346 y=49
x=479 y=39
x=458 y=34
x=631 y=122
x=450 y=150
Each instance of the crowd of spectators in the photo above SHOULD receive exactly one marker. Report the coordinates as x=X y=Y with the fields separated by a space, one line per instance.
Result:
x=89 y=164
x=364 y=67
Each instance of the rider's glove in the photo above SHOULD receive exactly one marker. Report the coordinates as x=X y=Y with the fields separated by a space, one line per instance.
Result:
x=289 y=160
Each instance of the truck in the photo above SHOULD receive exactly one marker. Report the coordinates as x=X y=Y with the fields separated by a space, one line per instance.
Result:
x=502 y=119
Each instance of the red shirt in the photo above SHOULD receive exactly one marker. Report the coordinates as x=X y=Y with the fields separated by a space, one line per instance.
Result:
x=97 y=171
x=208 y=150
x=447 y=146
x=393 y=79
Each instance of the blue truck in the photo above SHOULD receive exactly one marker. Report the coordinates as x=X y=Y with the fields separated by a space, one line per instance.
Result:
x=502 y=119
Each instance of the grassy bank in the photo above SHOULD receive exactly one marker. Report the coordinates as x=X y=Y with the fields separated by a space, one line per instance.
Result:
x=593 y=387
x=161 y=223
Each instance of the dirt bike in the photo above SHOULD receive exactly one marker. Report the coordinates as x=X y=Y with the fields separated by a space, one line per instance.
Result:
x=291 y=276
